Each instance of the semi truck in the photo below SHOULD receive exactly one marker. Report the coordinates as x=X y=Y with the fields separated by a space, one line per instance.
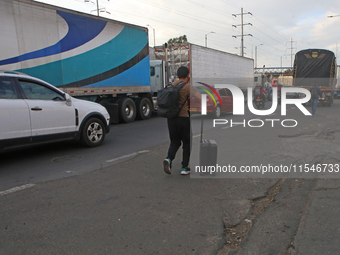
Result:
x=316 y=66
x=103 y=60
x=89 y=57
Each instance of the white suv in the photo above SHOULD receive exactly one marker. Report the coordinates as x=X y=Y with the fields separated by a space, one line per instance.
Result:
x=33 y=111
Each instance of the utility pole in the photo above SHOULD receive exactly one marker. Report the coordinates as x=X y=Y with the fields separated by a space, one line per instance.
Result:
x=242 y=24
x=98 y=9
x=291 y=51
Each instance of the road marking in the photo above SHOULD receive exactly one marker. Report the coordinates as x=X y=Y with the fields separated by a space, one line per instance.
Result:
x=195 y=136
x=15 y=189
x=230 y=126
x=127 y=156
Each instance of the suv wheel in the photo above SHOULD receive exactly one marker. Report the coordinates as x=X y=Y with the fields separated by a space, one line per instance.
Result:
x=93 y=133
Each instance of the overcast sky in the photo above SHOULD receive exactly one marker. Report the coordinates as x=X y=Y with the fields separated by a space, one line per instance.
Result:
x=274 y=23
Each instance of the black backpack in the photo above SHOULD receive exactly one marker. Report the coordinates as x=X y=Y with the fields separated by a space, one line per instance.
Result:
x=168 y=101
x=314 y=93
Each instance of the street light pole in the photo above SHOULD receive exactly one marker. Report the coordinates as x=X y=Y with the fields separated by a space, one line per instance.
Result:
x=256 y=54
x=154 y=36
x=206 y=38
x=333 y=16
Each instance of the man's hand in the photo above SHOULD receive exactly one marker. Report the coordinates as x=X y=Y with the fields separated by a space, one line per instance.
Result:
x=198 y=95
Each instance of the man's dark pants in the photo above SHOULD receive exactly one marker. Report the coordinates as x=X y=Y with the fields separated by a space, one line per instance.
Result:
x=180 y=133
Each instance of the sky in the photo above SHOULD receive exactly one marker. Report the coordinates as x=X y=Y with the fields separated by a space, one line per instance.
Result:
x=278 y=28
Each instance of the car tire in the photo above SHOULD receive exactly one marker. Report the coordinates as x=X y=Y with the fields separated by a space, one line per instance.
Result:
x=93 y=133
x=126 y=110
x=144 y=108
x=217 y=112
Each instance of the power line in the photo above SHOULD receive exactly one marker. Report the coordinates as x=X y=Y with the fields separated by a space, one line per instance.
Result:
x=184 y=14
x=269 y=36
x=270 y=27
x=227 y=2
x=209 y=8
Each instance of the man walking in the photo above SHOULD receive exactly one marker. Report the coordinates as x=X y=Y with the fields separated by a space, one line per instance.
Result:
x=179 y=126
x=315 y=93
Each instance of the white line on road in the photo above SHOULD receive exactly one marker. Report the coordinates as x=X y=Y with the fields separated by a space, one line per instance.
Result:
x=230 y=126
x=127 y=156
x=15 y=189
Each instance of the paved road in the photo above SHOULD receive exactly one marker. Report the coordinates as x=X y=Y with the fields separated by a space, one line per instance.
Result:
x=60 y=160
x=134 y=208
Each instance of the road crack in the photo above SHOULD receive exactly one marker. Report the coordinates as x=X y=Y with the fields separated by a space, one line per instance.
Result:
x=237 y=234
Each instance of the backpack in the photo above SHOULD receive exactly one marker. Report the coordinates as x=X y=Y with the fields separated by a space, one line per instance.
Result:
x=314 y=93
x=168 y=101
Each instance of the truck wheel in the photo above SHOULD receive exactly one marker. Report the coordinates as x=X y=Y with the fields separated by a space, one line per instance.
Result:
x=93 y=133
x=126 y=110
x=217 y=112
x=144 y=108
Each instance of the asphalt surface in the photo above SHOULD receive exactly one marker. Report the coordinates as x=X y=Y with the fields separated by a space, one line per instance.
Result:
x=133 y=207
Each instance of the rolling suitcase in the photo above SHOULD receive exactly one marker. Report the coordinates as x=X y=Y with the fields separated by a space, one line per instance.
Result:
x=208 y=153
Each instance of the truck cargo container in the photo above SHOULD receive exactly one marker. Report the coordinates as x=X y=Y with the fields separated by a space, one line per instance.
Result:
x=207 y=66
x=89 y=57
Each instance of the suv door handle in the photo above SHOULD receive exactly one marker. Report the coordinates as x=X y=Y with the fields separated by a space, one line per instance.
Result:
x=36 y=108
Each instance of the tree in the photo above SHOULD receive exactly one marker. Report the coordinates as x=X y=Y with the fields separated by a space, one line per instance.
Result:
x=178 y=40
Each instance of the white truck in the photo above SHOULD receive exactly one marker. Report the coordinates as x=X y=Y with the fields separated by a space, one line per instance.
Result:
x=89 y=57
x=206 y=65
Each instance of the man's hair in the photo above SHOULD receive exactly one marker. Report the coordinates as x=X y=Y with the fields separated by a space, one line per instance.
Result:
x=182 y=72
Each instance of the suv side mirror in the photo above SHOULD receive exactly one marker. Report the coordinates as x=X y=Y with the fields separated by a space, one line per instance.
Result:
x=68 y=99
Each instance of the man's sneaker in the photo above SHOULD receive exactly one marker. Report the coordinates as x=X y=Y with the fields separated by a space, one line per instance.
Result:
x=185 y=170
x=167 y=166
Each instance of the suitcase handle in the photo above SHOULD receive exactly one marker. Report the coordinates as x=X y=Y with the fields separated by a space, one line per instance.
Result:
x=201 y=129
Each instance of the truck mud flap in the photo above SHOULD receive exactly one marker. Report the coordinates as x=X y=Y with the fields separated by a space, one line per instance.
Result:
x=112 y=109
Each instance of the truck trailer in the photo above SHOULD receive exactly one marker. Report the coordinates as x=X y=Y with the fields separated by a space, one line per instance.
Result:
x=316 y=66
x=207 y=67
x=89 y=57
